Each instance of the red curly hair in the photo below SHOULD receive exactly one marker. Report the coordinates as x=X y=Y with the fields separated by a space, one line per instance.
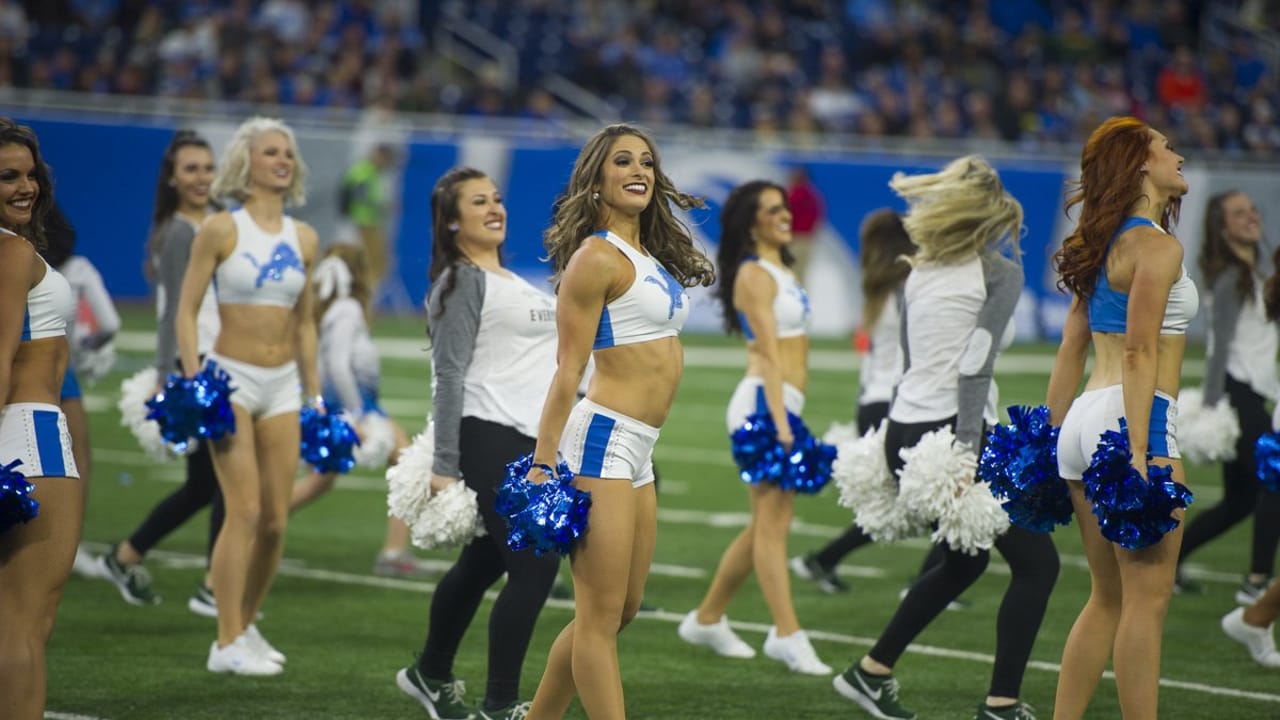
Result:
x=1109 y=188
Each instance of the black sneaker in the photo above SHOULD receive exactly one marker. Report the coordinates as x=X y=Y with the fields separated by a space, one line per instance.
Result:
x=1183 y=585
x=202 y=602
x=133 y=581
x=877 y=694
x=443 y=699
x=1249 y=592
x=807 y=567
x=1016 y=711
x=514 y=711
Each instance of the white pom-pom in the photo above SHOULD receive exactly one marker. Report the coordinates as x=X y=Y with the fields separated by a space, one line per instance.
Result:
x=1206 y=434
x=377 y=441
x=866 y=486
x=93 y=365
x=934 y=473
x=135 y=391
x=449 y=517
x=840 y=432
x=973 y=521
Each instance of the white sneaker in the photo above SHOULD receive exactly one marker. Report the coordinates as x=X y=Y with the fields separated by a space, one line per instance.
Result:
x=262 y=647
x=717 y=636
x=796 y=652
x=1259 y=641
x=86 y=566
x=240 y=658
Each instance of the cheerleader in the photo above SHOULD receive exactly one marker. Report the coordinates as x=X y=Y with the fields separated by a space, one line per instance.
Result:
x=35 y=556
x=1133 y=302
x=1240 y=365
x=182 y=203
x=492 y=357
x=349 y=378
x=762 y=299
x=622 y=261
x=261 y=260
x=885 y=244
x=959 y=299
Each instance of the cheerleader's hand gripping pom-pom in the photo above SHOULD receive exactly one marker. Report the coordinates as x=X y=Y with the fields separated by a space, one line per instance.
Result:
x=16 y=504
x=135 y=391
x=549 y=516
x=1020 y=461
x=1132 y=512
x=938 y=486
x=1206 y=434
x=866 y=486
x=447 y=518
x=327 y=441
x=805 y=468
x=195 y=407
x=1266 y=455
x=377 y=441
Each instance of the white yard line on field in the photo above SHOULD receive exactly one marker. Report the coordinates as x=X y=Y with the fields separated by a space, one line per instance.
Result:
x=352 y=579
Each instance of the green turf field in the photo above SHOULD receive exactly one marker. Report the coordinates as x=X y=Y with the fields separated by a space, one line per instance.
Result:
x=346 y=632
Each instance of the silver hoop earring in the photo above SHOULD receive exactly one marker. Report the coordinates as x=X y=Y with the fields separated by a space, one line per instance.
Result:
x=595 y=196
x=453 y=227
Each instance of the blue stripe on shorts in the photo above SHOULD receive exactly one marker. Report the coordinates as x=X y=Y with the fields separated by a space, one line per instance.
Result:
x=1158 y=431
x=595 y=445
x=48 y=442
x=70 y=387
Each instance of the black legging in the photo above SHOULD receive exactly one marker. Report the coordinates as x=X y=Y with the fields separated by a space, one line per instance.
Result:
x=485 y=449
x=199 y=490
x=1241 y=492
x=1033 y=564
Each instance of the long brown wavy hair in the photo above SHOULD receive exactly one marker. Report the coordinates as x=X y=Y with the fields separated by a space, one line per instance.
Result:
x=11 y=133
x=737 y=218
x=885 y=242
x=1109 y=188
x=1215 y=252
x=578 y=214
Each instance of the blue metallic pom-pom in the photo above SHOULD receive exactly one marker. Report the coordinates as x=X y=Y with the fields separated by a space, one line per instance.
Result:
x=761 y=458
x=195 y=407
x=16 y=503
x=548 y=516
x=1266 y=455
x=1020 y=462
x=1132 y=512
x=328 y=441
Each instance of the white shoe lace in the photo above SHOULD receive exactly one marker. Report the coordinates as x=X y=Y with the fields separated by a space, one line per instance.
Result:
x=455 y=690
x=521 y=711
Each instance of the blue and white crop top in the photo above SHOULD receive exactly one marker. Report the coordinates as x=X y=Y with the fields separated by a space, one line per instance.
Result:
x=790 y=304
x=1109 y=308
x=264 y=269
x=655 y=306
x=48 y=305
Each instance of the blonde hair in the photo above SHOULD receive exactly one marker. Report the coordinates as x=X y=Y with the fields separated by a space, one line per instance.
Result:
x=579 y=214
x=232 y=179
x=957 y=211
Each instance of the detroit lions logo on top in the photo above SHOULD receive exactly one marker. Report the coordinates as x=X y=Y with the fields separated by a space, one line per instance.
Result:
x=673 y=289
x=282 y=258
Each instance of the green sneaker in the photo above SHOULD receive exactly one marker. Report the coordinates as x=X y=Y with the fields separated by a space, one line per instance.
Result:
x=443 y=699
x=1016 y=711
x=514 y=711
x=133 y=581
x=877 y=694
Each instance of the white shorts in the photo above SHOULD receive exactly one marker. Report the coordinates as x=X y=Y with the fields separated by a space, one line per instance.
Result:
x=36 y=434
x=1097 y=411
x=601 y=443
x=264 y=392
x=748 y=399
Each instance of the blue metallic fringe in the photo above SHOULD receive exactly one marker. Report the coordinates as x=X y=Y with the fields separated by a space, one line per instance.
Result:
x=1132 y=512
x=16 y=503
x=1020 y=462
x=328 y=441
x=1266 y=456
x=549 y=516
x=196 y=407
x=761 y=458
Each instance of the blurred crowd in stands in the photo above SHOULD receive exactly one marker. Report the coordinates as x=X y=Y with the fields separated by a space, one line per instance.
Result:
x=1025 y=71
